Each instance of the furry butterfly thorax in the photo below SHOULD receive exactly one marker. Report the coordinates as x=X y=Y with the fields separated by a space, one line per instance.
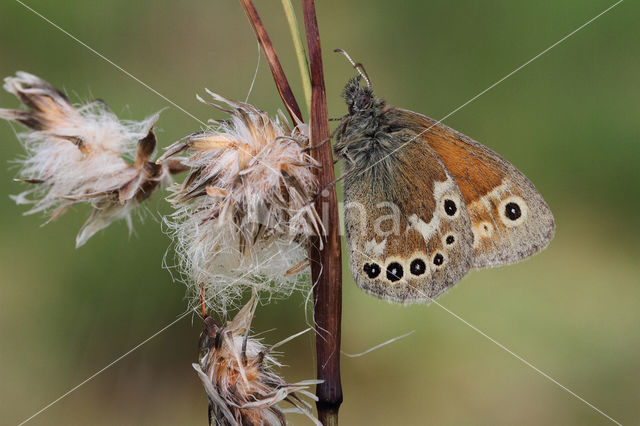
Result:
x=424 y=203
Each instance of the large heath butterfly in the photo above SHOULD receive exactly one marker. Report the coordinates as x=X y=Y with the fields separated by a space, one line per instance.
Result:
x=424 y=204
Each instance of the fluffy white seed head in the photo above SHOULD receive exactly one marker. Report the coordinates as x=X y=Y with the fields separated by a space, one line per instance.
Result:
x=244 y=214
x=81 y=155
x=237 y=373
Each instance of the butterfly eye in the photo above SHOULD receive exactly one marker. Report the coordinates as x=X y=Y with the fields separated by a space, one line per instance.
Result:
x=438 y=259
x=450 y=207
x=418 y=267
x=450 y=239
x=512 y=211
x=371 y=269
x=394 y=272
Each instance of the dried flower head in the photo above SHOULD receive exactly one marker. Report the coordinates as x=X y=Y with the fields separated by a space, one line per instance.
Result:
x=77 y=155
x=243 y=216
x=236 y=371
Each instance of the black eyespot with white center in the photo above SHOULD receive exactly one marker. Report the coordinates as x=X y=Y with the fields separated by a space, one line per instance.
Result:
x=512 y=211
x=394 y=272
x=450 y=239
x=450 y=207
x=438 y=259
x=418 y=267
x=371 y=269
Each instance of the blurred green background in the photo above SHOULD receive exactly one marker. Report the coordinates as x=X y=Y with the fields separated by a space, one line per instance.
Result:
x=569 y=120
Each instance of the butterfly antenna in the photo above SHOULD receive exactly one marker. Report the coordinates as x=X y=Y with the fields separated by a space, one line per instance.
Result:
x=358 y=66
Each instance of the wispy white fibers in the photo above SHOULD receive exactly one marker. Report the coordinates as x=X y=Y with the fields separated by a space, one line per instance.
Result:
x=237 y=373
x=78 y=155
x=244 y=214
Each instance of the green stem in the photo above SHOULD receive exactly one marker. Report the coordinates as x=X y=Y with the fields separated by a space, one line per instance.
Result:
x=301 y=54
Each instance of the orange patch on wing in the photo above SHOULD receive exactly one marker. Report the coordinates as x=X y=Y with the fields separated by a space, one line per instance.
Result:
x=474 y=174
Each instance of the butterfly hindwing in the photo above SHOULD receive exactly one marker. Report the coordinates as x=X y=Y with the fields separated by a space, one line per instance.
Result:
x=510 y=220
x=408 y=231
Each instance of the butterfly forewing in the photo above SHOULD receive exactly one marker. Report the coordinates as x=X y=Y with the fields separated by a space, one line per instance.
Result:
x=509 y=218
x=407 y=228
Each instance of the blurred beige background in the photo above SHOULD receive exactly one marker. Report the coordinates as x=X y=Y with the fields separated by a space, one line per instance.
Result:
x=569 y=121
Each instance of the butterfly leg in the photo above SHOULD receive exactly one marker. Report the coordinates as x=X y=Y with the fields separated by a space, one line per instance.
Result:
x=324 y=141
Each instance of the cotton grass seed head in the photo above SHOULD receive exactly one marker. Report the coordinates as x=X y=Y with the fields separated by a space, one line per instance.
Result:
x=79 y=155
x=243 y=215
x=237 y=373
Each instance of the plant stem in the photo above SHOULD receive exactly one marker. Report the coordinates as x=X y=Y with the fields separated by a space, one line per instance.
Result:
x=303 y=64
x=274 y=64
x=326 y=264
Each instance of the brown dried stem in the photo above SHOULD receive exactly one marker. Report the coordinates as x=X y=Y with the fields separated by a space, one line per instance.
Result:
x=326 y=264
x=274 y=63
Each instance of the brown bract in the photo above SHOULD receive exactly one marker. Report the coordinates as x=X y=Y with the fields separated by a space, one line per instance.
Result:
x=244 y=215
x=236 y=371
x=77 y=155
x=256 y=172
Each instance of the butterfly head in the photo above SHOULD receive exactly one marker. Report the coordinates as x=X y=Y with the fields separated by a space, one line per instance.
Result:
x=357 y=139
x=358 y=98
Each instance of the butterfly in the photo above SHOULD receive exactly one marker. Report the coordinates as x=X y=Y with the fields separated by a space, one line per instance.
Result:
x=424 y=204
